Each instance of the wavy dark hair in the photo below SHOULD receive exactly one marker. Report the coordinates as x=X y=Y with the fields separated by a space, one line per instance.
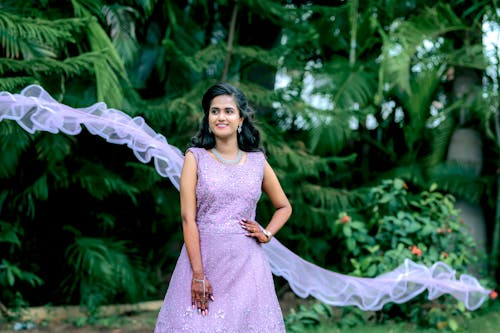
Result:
x=248 y=139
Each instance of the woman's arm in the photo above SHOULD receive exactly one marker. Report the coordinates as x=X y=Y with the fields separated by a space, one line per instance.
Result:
x=201 y=290
x=272 y=187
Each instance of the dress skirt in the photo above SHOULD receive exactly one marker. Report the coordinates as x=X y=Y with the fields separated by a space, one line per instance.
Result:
x=242 y=286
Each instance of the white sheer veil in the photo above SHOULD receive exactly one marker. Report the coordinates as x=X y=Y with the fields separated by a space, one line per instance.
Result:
x=35 y=110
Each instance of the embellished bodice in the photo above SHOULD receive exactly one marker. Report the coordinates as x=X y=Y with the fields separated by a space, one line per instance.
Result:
x=227 y=193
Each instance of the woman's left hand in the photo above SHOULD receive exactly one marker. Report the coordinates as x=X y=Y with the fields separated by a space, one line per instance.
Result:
x=254 y=230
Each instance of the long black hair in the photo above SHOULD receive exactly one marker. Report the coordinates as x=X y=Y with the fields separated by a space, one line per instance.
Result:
x=248 y=138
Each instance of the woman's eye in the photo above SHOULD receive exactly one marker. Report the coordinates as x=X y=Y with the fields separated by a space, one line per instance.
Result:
x=213 y=111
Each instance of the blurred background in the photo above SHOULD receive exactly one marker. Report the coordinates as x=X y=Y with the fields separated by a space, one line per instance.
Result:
x=380 y=118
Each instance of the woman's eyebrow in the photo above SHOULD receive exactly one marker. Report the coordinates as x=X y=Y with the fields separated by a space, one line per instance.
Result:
x=225 y=108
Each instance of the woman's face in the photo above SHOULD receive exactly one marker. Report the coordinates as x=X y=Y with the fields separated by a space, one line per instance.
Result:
x=224 y=116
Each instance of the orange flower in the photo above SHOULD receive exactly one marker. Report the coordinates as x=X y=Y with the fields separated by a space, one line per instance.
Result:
x=345 y=219
x=444 y=254
x=405 y=186
x=493 y=294
x=439 y=230
x=415 y=250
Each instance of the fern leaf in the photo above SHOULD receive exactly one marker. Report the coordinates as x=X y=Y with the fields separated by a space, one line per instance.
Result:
x=406 y=36
x=16 y=83
x=100 y=182
x=31 y=38
x=121 y=20
x=14 y=141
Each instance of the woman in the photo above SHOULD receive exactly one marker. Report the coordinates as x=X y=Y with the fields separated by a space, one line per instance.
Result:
x=222 y=281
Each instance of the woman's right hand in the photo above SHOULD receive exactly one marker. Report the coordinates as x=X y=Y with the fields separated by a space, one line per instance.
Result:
x=201 y=294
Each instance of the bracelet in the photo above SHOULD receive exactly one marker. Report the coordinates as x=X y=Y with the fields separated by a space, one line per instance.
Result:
x=268 y=234
x=202 y=281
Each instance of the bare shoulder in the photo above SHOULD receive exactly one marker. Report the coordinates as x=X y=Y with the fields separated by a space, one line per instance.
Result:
x=190 y=163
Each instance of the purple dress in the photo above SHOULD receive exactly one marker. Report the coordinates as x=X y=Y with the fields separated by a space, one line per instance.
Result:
x=235 y=265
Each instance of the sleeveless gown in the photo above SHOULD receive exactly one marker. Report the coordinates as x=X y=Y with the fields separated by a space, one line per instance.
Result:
x=236 y=265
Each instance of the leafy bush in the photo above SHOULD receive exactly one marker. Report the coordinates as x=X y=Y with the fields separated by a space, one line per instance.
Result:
x=11 y=274
x=103 y=271
x=395 y=224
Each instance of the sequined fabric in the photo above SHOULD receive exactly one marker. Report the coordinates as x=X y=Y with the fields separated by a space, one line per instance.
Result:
x=235 y=265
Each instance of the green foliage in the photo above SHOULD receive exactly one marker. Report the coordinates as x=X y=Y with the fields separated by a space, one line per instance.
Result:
x=155 y=59
x=32 y=38
x=407 y=36
x=103 y=269
x=394 y=224
x=397 y=224
x=12 y=276
x=308 y=316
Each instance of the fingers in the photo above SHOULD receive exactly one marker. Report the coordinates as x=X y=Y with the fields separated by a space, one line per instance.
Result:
x=201 y=294
x=254 y=230
x=251 y=226
x=202 y=305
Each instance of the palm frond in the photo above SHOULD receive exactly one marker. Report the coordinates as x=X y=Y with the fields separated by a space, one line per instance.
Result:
x=121 y=20
x=274 y=11
x=469 y=56
x=330 y=200
x=31 y=38
x=400 y=46
x=83 y=8
x=147 y=6
x=25 y=201
x=53 y=148
x=330 y=137
x=256 y=55
x=16 y=83
x=102 y=268
x=348 y=86
x=101 y=183
x=71 y=66
x=417 y=103
x=109 y=74
x=13 y=143
x=438 y=137
x=285 y=157
x=459 y=179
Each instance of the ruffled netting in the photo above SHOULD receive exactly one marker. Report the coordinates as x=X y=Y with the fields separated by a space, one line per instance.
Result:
x=35 y=110
x=398 y=286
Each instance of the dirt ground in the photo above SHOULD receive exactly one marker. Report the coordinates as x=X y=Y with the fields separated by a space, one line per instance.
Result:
x=137 y=323
x=139 y=320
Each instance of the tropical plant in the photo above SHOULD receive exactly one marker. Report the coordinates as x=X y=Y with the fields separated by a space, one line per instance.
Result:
x=346 y=94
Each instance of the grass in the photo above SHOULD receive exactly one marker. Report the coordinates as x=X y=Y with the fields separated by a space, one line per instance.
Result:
x=487 y=321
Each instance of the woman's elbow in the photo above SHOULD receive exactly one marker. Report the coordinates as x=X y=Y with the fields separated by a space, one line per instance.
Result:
x=187 y=219
x=287 y=208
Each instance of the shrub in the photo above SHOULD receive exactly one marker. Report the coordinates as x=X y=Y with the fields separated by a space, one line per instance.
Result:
x=392 y=225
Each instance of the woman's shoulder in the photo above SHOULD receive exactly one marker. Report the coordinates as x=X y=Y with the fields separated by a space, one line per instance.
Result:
x=257 y=155
x=196 y=151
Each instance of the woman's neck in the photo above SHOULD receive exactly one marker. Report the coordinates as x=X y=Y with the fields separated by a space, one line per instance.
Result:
x=227 y=147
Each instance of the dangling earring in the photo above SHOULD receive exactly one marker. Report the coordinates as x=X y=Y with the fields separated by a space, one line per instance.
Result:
x=239 y=128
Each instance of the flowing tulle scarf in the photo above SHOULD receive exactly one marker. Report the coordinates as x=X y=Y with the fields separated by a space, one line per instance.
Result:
x=35 y=110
